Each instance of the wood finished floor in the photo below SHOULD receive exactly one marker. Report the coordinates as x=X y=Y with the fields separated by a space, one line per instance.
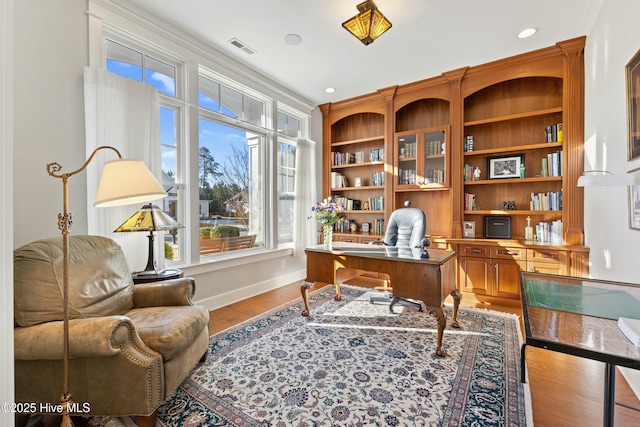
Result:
x=566 y=391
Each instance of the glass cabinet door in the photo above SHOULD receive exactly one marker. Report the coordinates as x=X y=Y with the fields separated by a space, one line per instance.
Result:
x=435 y=171
x=407 y=159
x=421 y=159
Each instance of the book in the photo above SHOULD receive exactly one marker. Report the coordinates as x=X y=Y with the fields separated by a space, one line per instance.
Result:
x=631 y=329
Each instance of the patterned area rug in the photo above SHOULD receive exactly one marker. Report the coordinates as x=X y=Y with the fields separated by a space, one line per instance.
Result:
x=352 y=363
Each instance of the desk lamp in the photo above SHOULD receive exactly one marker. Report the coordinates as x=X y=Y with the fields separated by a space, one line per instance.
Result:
x=149 y=218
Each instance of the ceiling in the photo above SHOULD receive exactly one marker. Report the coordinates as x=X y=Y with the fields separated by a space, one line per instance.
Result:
x=428 y=37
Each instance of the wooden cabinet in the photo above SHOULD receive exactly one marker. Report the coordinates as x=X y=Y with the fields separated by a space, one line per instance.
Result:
x=523 y=110
x=490 y=270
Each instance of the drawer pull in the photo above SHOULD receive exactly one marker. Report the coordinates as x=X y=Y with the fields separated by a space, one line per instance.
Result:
x=548 y=256
x=508 y=253
x=475 y=250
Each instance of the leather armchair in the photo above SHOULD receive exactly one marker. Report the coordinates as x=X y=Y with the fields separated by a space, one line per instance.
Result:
x=130 y=345
x=405 y=229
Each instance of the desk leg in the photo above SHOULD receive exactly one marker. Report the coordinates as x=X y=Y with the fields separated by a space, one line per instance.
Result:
x=609 y=394
x=304 y=287
x=523 y=374
x=338 y=297
x=457 y=296
x=442 y=322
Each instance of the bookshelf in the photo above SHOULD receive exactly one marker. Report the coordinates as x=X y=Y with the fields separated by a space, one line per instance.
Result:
x=436 y=131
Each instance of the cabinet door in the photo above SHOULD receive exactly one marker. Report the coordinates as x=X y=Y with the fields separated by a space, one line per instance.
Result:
x=475 y=275
x=505 y=277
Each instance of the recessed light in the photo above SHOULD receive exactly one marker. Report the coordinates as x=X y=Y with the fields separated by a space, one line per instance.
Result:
x=292 y=39
x=330 y=90
x=527 y=32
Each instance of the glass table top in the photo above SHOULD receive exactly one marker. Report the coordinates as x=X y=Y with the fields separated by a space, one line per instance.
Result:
x=387 y=252
x=580 y=316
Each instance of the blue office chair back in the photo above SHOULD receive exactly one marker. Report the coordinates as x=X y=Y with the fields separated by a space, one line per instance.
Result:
x=406 y=228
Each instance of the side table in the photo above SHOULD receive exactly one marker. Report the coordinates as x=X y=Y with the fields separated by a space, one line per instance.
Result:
x=170 y=273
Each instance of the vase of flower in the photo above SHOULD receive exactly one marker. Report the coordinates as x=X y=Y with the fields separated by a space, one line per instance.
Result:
x=327 y=213
x=327 y=241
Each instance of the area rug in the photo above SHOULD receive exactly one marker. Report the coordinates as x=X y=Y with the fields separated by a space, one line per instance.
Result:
x=353 y=363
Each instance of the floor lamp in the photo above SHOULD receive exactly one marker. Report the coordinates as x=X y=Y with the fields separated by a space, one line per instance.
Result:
x=122 y=182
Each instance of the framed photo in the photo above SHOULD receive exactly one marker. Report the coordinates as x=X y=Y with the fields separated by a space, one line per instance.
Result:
x=469 y=230
x=633 y=110
x=634 y=205
x=504 y=166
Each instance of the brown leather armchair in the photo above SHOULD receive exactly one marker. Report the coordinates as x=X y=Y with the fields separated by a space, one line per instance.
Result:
x=130 y=345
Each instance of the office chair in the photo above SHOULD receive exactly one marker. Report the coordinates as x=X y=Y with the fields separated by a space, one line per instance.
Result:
x=405 y=229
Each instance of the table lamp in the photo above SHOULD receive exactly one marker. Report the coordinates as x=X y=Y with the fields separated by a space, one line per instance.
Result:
x=149 y=218
x=122 y=182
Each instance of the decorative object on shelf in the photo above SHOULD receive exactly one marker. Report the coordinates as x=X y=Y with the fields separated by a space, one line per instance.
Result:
x=528 y=230
x=365 y=227
x=522 y=170
x=633 y=108
x=497 y=227
x=357 y=182
x=365 y=205
x=122 y=182
x=469 y=229
x=504 y=166
x=509 y=206
x=368 y=24
x=149 y=218
x=353 y=227
x=476 y=174
x=425 y=243
x=327 y=213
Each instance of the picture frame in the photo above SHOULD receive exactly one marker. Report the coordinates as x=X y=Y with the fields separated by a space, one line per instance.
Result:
x=632 y=71
x=634 y=204
x=500 y=167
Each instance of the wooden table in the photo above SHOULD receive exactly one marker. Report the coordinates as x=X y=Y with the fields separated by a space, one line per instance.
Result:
x=579 y=316
x=429 y=280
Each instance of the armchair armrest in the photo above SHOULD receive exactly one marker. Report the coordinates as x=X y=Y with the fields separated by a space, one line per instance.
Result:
x=167 y=293
x=89 y=337
x=378 y=242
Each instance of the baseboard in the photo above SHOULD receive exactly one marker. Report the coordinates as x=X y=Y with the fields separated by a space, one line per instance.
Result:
x=240 y=294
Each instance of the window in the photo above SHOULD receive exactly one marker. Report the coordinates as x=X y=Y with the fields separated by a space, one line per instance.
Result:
x=231 y=177
x=219 y=142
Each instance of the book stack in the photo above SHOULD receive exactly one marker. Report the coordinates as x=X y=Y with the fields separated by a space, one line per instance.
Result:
x=551 y=201
x=551 y=165
x=376 y=203
x=376 y=154
x=378 y=226
x=467 y=174
x=468 y=143
x=377 y=178
x=434 y=148
x=469 y=201
x=408 y=149
x=407 y=176
x=553 y=133
x=549 y=232
x=434 y=176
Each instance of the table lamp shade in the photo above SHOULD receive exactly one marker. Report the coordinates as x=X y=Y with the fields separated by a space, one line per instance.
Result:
x=149 y=218
x=125 y=182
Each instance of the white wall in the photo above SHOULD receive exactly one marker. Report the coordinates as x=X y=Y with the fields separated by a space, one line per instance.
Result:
x=6 y=215
x=612 y=42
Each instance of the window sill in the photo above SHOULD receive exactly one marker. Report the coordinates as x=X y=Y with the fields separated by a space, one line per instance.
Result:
x=230 y=260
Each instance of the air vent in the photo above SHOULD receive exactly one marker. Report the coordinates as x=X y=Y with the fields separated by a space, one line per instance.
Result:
x=237 y=43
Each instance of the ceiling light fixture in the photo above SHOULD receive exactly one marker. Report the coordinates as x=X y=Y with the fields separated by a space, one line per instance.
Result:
x=369 y=24
x=527 y=32
x=292 y=39
x=330 y=90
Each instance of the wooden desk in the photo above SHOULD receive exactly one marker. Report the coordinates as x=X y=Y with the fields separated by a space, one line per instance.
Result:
x=428 y=280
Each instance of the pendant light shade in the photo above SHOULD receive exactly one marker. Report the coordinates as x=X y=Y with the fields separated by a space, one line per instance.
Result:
x=369 y=24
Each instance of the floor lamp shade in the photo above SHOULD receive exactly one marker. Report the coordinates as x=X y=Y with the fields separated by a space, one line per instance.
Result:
x=126 y=181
